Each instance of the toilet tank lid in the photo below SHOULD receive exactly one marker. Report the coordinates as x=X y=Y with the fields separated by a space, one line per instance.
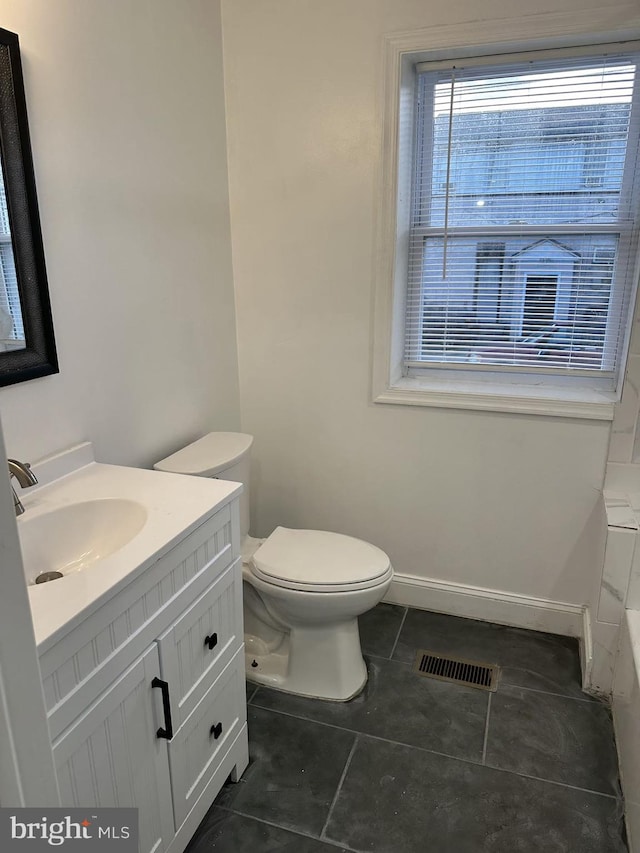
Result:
x=209 y=455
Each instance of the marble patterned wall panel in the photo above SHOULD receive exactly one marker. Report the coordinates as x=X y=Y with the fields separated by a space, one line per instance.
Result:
x=633 y=593
x=605 y=647
x=634 y=343
x=625 y=443
x=617 y=568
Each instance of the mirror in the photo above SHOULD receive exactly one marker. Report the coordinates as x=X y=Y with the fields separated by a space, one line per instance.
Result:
x=27 y=345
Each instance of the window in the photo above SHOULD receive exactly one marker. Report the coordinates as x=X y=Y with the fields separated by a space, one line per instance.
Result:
x=521 y=232
x=537 y=157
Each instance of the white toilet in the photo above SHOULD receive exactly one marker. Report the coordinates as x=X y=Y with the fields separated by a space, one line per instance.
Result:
x=303 y=589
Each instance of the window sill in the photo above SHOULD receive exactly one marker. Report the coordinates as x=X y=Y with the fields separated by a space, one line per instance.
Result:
x=549 y=400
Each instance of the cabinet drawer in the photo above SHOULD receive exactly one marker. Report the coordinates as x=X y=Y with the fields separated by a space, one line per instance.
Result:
x=202 y=742
x=198 y=646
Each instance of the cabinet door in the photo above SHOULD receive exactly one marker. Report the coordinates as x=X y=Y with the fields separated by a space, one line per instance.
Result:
x=200 y=644
x=111 y=756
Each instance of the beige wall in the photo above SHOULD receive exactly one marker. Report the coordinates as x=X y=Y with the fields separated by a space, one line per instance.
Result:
x=126 y=107
x=495 y=500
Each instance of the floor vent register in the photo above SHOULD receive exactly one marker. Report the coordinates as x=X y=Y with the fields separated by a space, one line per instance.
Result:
x=467 y=672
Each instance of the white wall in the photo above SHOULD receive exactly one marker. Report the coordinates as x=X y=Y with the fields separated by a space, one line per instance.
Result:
x=27 y=774
x=126 y=108
x=510 y=502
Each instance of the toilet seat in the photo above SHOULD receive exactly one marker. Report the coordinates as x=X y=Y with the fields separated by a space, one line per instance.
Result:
x=318 y=561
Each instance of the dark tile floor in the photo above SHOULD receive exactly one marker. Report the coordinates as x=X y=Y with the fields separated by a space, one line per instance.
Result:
x=414 y=765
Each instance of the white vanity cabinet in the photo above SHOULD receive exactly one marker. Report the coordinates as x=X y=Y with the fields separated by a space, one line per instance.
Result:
x=146 y=696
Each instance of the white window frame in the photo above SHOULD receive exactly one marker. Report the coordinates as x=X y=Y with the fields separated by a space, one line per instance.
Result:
x=491 y=391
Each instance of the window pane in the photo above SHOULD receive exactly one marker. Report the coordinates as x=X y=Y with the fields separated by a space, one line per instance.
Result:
x=529 y=148
x=517 y=301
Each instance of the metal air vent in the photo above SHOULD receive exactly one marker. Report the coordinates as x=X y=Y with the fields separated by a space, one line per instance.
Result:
x=468 y=672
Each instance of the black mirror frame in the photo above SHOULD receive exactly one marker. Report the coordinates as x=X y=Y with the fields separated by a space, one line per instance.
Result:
x=39 y=356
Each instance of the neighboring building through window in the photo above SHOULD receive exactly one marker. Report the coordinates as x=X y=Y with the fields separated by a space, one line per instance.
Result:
x=522 y=240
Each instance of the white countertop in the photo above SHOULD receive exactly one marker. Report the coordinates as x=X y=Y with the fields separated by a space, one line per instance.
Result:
x=175 y=506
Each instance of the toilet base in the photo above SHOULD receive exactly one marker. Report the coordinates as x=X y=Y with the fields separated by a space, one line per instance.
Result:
x=323 y=662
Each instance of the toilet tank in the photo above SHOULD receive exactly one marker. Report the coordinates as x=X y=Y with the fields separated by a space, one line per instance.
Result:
x=221 y=455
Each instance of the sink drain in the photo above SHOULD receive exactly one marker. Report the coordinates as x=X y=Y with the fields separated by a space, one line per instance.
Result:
x=48 y=576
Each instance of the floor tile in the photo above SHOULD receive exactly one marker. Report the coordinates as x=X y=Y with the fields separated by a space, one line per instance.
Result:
x=553 y=737
x=529 y=658
x=379 y=629
x=294 y=770
x=224 y=832
x=400 y=705
x=397 y=799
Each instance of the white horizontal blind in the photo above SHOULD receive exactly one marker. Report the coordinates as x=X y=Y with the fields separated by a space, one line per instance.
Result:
x=9 y=294
x=522 y=241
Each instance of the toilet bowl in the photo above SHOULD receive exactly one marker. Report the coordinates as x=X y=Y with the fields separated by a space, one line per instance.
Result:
x=303 y=589
x=312 y=586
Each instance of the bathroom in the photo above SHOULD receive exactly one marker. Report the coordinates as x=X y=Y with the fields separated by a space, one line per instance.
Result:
x=208 y=216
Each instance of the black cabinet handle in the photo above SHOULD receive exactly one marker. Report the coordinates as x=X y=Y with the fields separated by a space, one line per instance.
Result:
x=167 y=731
x=211 y=641
x=216 y=731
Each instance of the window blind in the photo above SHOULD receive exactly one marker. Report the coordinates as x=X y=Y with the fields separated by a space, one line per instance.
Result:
x=9 y=293
x=523 y=241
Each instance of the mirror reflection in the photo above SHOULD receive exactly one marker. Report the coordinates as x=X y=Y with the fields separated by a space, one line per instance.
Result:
x=11 y=323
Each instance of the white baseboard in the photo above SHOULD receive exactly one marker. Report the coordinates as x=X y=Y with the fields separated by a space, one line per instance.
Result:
x=489 y=605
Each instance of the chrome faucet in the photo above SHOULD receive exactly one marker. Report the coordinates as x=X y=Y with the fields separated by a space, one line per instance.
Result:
x=25 y=476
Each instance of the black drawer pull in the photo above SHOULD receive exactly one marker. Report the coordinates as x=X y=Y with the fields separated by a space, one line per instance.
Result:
x=216 y=731
x=167 y=731
x=211 y=641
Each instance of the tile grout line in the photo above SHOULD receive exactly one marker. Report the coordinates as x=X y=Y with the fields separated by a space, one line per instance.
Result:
x=406 y=610
x=590 y=700
x=368 y=735
x=275 y=825
x=436 y=752
x=554 y=782
x=486 y=732
x=339 y=788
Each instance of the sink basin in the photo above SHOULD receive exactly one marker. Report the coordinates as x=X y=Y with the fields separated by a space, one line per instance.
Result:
x=73 y=537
